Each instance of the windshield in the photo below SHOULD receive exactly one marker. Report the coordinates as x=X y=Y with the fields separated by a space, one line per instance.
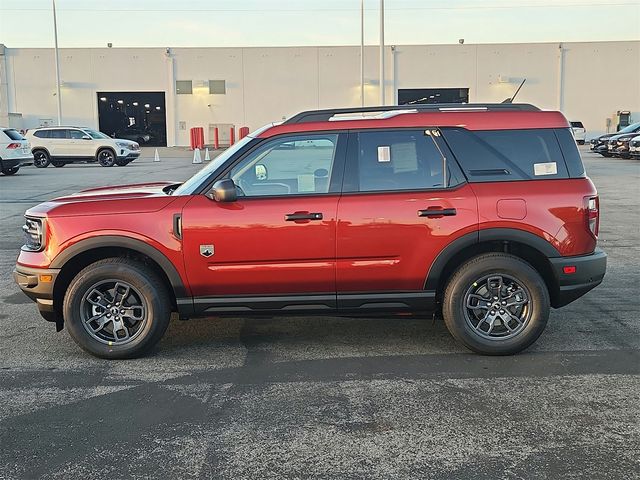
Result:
x=191 y=185
x=95 y=134
x=630 y=128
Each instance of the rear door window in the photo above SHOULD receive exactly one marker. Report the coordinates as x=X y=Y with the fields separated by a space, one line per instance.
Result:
x=507 y=155
x=76 y=134
x=396 y=160
x=58 y=133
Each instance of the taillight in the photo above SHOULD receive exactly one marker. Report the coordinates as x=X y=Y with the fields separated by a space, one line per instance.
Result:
x=593 y=214
x=13 y=146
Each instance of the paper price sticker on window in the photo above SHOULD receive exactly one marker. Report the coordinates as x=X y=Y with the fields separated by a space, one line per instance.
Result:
x=550 y=168
x=384 y=154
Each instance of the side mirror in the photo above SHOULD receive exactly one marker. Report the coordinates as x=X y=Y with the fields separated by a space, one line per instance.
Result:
x=86 y=137
x=224 y=191
x=261 y=172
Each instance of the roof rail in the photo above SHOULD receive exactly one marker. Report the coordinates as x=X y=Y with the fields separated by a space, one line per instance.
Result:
x=326 y=115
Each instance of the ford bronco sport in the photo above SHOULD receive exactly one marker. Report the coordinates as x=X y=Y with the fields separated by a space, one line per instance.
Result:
x=481 y=212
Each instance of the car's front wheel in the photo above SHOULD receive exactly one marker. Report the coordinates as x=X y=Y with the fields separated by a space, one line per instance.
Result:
x=496 y=304
x=122 y=162
x=117 y=308
x=106 y=158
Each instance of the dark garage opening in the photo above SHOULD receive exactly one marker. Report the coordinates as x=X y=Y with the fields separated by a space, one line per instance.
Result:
x=137 y=116
x=412 y=96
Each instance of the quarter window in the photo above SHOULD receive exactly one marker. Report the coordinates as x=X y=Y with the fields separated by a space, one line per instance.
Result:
x=295 y=165
x=399 y=160
x=507 y=155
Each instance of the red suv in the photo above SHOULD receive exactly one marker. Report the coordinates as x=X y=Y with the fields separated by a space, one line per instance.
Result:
x=481 y=212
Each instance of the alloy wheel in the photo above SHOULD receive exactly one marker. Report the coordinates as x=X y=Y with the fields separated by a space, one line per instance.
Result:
x=497 y=307
x=113 y=312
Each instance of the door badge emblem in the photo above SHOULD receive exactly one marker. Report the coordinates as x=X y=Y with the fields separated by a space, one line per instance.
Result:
x=206 y=250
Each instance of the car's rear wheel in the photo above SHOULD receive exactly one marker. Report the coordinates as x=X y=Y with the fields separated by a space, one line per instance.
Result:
x=106 y=158
x=117 y=308
x=58 y=163
x=10 y=170
x=41 y=159
x=496 y=304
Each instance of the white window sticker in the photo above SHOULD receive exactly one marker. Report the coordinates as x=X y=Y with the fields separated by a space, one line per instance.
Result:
x=550 y=168
x=384 y=154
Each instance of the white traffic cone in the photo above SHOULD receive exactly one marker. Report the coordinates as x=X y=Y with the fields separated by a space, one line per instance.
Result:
x=196 y=156
x=206 y=155
x=156 y=157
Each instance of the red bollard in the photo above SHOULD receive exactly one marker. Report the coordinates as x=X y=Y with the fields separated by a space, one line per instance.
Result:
x=244 y=131
x=216 y=139
x=232 y=136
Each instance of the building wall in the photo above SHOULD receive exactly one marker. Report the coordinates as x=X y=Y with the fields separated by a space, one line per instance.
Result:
x=587 y=81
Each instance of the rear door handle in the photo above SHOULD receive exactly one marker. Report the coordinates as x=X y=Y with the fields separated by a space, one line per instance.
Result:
x=296 y=217
x=437 y=212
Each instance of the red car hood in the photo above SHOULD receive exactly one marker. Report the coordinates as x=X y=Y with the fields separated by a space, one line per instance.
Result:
x=136 y=198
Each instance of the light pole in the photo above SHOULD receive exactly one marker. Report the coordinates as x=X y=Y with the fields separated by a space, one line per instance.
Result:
x=55 y=37
x=382 y=102
x=362 y=53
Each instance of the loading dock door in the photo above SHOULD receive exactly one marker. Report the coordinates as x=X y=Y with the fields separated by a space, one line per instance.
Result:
x=137 y=116
x=413 y=96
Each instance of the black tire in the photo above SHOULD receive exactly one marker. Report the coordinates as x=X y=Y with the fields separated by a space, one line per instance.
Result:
x=106 y=157
x=122 y=162
x=459 y=317
x=10 y=170
x=580 y=142
x=606 y=155
x=58 y=163
x=41 y=159
x=142 y=281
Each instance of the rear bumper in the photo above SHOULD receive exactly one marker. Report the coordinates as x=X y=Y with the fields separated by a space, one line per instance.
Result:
x=39 y=289
x=16 y=162
x=589 y=272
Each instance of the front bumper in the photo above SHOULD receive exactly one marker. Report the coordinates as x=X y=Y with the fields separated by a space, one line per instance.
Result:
x=37 y=284
x=588 y=274
x=600 y=148
x=128 y=155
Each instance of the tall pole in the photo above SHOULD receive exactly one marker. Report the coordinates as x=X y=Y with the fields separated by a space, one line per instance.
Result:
x=382 y=102
x=362 y=53
x=55 y=37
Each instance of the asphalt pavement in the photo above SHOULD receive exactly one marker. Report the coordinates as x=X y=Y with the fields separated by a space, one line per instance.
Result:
x=324 y=397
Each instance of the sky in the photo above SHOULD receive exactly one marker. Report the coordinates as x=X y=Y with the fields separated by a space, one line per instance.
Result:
x=222 y=23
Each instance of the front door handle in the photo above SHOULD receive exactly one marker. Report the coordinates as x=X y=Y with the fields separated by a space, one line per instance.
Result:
x=437 y=212
x=296 y=217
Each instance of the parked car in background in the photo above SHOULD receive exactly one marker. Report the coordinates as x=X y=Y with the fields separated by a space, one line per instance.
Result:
x=15 y=151
x=135 y=134
x=601 y=144
x=357 y=215
x=62 y=145
x=618 y=145
x=634 y=147
x=579 y=132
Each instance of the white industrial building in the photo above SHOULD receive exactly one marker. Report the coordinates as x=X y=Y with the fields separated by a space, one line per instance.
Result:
x=174 y=89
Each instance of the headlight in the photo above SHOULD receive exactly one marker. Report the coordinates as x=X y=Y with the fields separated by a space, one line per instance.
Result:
x=33 y=234
x=123 y=145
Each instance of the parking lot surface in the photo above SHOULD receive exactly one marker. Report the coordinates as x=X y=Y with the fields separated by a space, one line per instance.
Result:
x=324 y=397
